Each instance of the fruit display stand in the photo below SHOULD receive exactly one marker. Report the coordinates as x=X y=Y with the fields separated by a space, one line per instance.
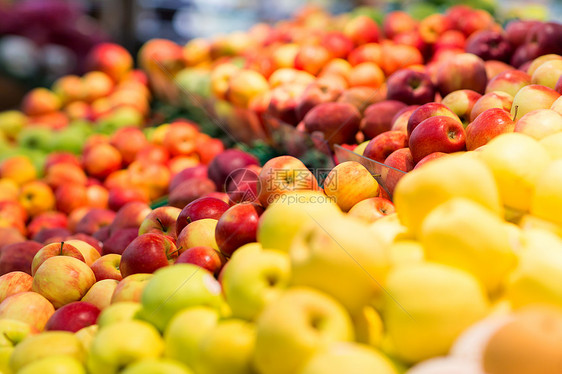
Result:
x=329 y=194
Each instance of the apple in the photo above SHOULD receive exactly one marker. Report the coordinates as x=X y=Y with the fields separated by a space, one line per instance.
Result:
x=94 y=220
x=101 y=293
x=371 y=209
x=147 y=253
x=524 y=54
x=510 y=82
x=189 y=191
x=366 y=74
x=88 y=251
x=9 y=235
x=462 y=71
x=427 y=111
x=489 y=45
x=548 y=73
x=516 y=31
x=118 y=240
x=130 y=215
x=203 y=256
x=50 y=219
x=52 y=250
x=129 y=141
x=14 y=282
x=338 y=122
x=199 y=171
x=18 y=256
x=490 y=100
x=12 y=122
x=29 y=307
x=63 y=279
x=167 y=293
x=120 y=311
x=65 y=173
x=101 y=160
x=161 y=220
x=111 y=351
x=530 y=98
x=40 y=101
x=377 y=118
x=546 y=36
x=281 y=175
x=362 y=97
x=317 y=93
x=73 y=317
x=107 y=267
x=153 y=153
x=399 y=162
x=130 y=288
x=153 y=177
x=243 y=185
x=539 y=123
x=180 y=138
x=400 y=120
x=56 y=363
x=312 y=58
x=48 y=345
x=51 y=235
x=157 y=365
x=111 y=59
x=313 y=320
x=437 y=134
x=237 y=226
x=348 y=183
x=380 y=147
x=37 y=197
x=198 y=233
x=397 y=22
x=284 y=101
x=411 y=87
x=486 y=126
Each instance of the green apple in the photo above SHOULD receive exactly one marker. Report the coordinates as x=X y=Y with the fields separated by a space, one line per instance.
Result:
x=54 y=365
x=13 y=332
x=157 y=366
x=254 y=278
x=120 y=117
x=122 y=311
x=342 y=258
x=195 y=80
x=284 y=218
x=68 y=139
x=12 y=122
x=236 y=339
x=121 y=344
x=177 y=287
x=35 y=138
x=293 y=327
x=185 y=332
x=86 y=335
x=348 y=358
x=48 y=343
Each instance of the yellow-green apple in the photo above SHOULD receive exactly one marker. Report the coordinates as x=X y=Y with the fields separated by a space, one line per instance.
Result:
x=491 y=100
x=186 y=331
x=107 y=267
x=337 y=121
x=94 y=220
x=414 y=321
x=426 y=111
x=130 y=215
x=28 y=307
x=147 y=253
x=118 y=240
x=198 y=233
x=161 y=220
x=237 y=226
x=40 y=101
x=400 y=162
x=89 y=252
x=113 y=349
x=236 y=357
x=54 y=364
x=461 y=103
x=437 y=134
x=348 y=183
x=73 y=317
x=12 y=332
x=244 y=86
x=369 y=210
x=157 y=365
x=18 y=256
x=63 y=279
x=377 y=118
x=130 y=288
x=400 y=120
x=44 y=345
x=510 y=82
x=517 y=161
x=351 y=358
x=227 y=162
x=175 y=288
x=412 y=87
x=486 y=126
x=121 y=311
x=397 y=22
x=101 y=293
x=101 y=160
x=545 y=201
x=413 y=202
x=320 y=249
x=254 y=278
x=110 y=58
x=539 y=123
x=284 y=174
x=11 y=123
x=532 y=97
x=206 y=257
x=19 y=169
x=361 y=97
x=462 y=71
x=327 y=90
x=13 y=283
x=304 y=207
x=294 y=327
x=129 y=141
x=284 y=101
x=381 y=146
x=37 y=197
x=312 y=58
x=489 y=45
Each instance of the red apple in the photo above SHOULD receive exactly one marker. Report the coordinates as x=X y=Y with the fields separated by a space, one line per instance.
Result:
x=237 y=226
x=199 y=171
x=361 y=97
x=400 y=159
x=380 y=147
x=489 y=45
x=317 y=93
x=119 y=239
x=437 y=134
x=204 y=207
x=461 y=103
x=94 y=220
x=400 y=120
x=397 y=22
x=73 y=317
x=228 y=161
x=378 y=117
x=50 y=235
x=101 y=160
x=284 y=102
x=370 y=210
x=107 y=267
x=161 y=220
x=360 y=30
x=129 y=141
x=120 y=196
x=426 y=111
x=338 y=122
x=131 y=215
x=243 y=185
x=462 y=71
x=428 y=158
x=516 y=31
x=147 y=253
x=110 y=58
x=205 y=257
x=547 y=37
x=491 y=100
x=411 y=87
x=190 y=190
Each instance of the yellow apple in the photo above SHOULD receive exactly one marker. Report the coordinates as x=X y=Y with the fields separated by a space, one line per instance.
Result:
x=86 y=335
x=157 y=366
x=122 y=311
x=54 y=364
x=553 y=145
x=349 y=183
x=546 y=201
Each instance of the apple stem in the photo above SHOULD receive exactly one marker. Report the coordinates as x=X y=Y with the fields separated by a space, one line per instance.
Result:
x=8 y=338
x=515 y=114
x=174 y=252
x=161 y=225
x=61 y=245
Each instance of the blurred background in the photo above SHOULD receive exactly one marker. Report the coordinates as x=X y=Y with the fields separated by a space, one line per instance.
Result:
x=41 y=40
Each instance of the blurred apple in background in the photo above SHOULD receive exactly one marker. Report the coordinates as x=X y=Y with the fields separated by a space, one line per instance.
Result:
x=462 y=71
x=338 y=122
x=377 y=118
x=411 y=87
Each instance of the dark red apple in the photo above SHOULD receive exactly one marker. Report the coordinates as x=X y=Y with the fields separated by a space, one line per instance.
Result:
x=524 y=53
x=237 y=226
x=18 y=256
x=190 y=190
x=201 y=208
x=148 y=253
x=73 y=317
x=489 y=45
x=338 y=122
x=411 y=87
x=199 y=171
x=205 y=257
x=377 y=118
x=437 y=134
x=516 y=31
x=243 y=185
x=547 y=36
x=380 y=147
x=47 y=234
x=95 y=219
x=120 y=196
x=226 y=162
x=119 y=240
x=130 y=215
x=317 y=93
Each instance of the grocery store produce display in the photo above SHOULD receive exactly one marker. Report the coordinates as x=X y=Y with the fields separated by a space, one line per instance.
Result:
x=129 y=245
